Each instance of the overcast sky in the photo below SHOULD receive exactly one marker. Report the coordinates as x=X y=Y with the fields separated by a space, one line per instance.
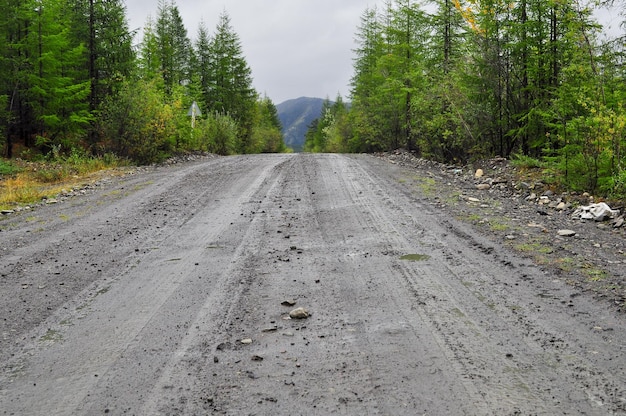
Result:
x=295 y=48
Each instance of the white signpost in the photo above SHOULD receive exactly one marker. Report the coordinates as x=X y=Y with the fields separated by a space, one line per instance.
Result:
x=194 y=111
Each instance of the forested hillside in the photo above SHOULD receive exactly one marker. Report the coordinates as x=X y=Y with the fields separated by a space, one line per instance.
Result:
x=534 y=80
x=296 y=116
x=72 y=82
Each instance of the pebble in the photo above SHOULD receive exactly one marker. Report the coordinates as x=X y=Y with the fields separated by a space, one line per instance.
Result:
x=483 y=186
x=299 y=313
x=567 y=233
x=479 y=173
x=531 y=197
x=246 y=341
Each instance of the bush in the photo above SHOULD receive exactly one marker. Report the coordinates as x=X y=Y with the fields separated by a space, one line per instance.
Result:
x=7 y=168
x=137 y=124
x=222 y=133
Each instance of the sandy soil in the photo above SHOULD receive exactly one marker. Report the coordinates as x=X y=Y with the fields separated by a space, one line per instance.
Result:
x=169 y=292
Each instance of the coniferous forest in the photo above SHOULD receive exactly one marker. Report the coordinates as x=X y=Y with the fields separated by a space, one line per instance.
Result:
x=453 y=80
x=532 y=80
x=73 y=82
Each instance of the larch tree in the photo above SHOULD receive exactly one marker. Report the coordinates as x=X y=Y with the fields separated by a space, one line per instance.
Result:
x=174 y=47
x=230 y=80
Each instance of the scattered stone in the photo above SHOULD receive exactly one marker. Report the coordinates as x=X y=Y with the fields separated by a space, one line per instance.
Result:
x=299 y=313
x=288 y=302
x=479 y=173
x=257 y=358
x=567 y=233
x=51 y=201
x=619 y=223
x=483 y=186
x=561 y=206
x=270 y=329
x=246 y=341
x=510 y=237
x=7 y=211
x=597 y=212
x=531 y=197
x=471 y=199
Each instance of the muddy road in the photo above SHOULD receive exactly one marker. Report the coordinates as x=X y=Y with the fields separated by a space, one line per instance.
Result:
x=169 y=292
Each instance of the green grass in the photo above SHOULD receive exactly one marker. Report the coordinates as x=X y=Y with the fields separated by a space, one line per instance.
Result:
x=534 y=248
x=496 y=225
x=593 y=273
x=527 y=162
x=7 y=168
x=23 y=182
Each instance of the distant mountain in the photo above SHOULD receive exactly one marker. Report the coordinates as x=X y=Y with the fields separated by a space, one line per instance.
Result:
x=296 y=117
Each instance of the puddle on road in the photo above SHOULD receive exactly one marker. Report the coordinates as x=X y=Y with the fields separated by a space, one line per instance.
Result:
x=415 y=257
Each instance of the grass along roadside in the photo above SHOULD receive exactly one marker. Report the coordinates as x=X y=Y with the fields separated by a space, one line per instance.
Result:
x=24 y=182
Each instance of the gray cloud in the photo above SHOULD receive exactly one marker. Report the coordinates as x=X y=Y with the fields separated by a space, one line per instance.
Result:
x=294 y=47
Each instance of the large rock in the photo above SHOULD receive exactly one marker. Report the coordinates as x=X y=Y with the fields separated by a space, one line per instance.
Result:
x=596 y=212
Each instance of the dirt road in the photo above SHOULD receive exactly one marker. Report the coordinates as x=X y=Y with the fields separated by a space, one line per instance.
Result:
x=163 y=293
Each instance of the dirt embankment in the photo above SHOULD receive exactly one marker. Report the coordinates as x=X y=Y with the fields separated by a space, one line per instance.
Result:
x=523 y=214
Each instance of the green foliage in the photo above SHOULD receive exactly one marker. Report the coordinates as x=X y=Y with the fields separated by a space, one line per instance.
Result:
x=222 y=131
x=174 y=49
x=138 y=124
x=527 y=162
x=266 y=134
x=489 y=78
x=71 y=81
x=7 y=168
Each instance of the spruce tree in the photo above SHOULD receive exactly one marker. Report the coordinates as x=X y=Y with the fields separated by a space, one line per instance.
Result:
x=230 y=87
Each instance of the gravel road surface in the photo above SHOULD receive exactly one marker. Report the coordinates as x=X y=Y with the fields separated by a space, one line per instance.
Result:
x=168 y=292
